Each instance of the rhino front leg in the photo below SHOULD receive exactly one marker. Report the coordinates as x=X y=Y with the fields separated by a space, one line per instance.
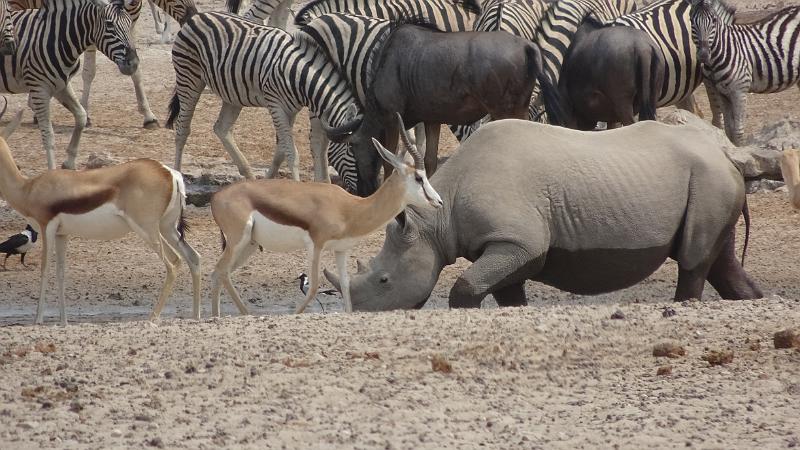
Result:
x=502 y=268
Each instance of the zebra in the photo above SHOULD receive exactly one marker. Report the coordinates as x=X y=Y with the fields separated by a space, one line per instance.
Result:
x=44 y=70
x=276 y=12
x=518 y=17
x=8 y=44
x=247 y=64
x=759 y=57
x=447 y=15
x=179 y=9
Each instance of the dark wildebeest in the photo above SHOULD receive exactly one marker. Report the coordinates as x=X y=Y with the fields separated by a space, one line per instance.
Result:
x=610 y=74
x=453 y=78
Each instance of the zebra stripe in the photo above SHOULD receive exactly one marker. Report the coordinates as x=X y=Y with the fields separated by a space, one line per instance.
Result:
x=349 y=46
x=261 y=10
x=518 y=17
x=760 y=57
x=132 y=8
x=247 y=64
x=8 y=43
x=44 y=69
x=668 y=25
x=447 y=15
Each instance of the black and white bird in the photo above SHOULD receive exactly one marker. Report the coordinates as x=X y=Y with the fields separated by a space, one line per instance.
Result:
x=304 y=286
x=19 y=244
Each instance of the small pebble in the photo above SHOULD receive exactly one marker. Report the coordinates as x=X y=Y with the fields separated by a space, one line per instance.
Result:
x=116 y=432
x=669 y=312
x=618 y=315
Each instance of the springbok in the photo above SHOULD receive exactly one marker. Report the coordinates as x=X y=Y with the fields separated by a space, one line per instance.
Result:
x=790 y=169
x=286 y=215
x=142 y=196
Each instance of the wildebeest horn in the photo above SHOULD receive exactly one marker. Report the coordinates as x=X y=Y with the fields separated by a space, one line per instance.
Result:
x=361 y=266
x=333 y=279
x=419 y=161
x=342 y=133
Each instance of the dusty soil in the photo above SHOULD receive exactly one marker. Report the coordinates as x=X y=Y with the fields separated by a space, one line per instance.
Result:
x=558 y=373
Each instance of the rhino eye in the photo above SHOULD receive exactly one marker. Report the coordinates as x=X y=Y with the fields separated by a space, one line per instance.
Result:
x=384 y=279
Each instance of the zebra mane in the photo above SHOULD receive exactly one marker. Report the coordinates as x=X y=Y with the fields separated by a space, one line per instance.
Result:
x=302 y=17
x=232 y=6
x=54 y=5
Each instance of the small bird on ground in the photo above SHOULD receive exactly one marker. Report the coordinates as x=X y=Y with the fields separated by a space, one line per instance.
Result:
x=19 y=244
x=304 y=289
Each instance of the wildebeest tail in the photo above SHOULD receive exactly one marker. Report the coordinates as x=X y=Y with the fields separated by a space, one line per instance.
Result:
x=650 y=72
x=550 y=96
x=174 y=110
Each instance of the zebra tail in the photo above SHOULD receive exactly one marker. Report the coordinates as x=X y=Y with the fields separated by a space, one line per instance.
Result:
x=550 y=95
x=191 y=10
x=174 y=110
x=232 y=6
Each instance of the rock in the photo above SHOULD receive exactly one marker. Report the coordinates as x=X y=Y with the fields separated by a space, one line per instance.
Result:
x=669 y=350
x=669 y=312
x=786 y=339
x=664 y=371
x=618 y=315
x=718 y=357
x=753 y=186
x=29 y=425
x=98 y=160
x=200 y=194
x=76 y=406
x=116 y=432
x=440 y=364
x=155 y=442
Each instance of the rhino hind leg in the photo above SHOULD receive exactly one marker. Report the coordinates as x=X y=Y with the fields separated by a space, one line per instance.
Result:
x=513 y=295
x=502 y=265
x=729 y=277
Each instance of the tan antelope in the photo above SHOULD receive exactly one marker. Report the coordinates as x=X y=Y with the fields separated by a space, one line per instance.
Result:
x=790 y=169
x=287 y=215
x=142 y=196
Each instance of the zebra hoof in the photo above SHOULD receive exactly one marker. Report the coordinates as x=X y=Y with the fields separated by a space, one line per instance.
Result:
x=151 y=125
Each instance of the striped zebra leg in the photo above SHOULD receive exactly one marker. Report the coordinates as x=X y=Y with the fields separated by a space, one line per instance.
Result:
x=714 y=103
x=39 y=102
x=319 y=150
x=68 y=98
x=158 y=21
x=181 y=111
x=88 y=74
x=223 y=129
x=735 y=119
x=283 y=121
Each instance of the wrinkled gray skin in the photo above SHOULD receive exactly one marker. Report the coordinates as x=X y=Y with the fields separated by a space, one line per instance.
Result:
x=585 y=212
x=610 y=74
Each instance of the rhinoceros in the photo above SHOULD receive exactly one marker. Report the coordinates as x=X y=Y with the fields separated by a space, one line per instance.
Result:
x=585 y=212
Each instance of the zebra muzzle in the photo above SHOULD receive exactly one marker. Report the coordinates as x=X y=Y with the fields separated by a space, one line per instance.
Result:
x=129 y=64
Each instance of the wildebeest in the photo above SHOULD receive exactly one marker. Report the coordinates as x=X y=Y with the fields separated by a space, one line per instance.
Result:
x=610 y=74
x=454 y=78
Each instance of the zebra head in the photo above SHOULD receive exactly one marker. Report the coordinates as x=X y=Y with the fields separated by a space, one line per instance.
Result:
x=708 y=17
x=8 y=42
x=181 y=10
x=112 y=34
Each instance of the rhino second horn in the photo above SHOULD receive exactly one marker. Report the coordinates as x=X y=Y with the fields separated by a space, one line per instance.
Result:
x=334 y=280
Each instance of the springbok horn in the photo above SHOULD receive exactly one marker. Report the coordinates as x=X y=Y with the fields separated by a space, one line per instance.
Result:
x=333 y=279
x=419 y=161
x=361 y=266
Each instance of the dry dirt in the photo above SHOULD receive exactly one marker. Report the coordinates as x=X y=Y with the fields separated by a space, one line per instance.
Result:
x=559 y=373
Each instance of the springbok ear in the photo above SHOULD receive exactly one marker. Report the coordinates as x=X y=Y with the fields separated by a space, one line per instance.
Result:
x=388 y=156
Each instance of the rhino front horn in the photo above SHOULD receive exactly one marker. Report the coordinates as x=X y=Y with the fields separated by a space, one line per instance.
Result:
x=361 y=266
x=333 y=279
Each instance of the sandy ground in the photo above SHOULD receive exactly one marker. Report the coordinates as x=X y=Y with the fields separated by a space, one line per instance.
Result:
x=558 y=373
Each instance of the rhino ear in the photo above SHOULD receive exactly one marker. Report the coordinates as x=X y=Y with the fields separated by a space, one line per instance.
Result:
x=408 y=229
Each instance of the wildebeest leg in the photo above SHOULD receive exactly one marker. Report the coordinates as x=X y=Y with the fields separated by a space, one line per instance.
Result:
x=502 y=264
x=513 y=295
x=728 y=276
x=432 y=131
